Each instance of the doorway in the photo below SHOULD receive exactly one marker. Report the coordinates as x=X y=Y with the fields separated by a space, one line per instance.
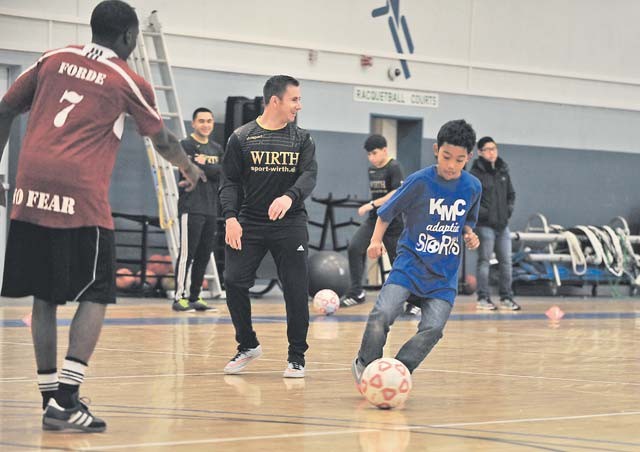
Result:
x=404 y=139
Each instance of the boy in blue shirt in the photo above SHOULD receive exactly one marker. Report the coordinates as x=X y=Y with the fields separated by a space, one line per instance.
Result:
x=440 y=206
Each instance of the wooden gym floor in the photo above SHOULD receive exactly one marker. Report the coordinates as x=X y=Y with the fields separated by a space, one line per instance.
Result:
x=495 y=382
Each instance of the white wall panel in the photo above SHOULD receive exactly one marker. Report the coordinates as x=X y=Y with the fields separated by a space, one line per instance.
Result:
x=23 y=34
x=588 y=37
x=63 y=34
x=578 y=52
x=57 y=7
x=553 y=89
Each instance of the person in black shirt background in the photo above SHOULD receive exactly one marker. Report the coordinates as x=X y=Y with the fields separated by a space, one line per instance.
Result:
x=269 y=168
x=385 y=176
x=198 y=212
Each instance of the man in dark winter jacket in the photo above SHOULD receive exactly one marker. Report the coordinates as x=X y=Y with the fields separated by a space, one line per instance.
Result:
x=496 y=206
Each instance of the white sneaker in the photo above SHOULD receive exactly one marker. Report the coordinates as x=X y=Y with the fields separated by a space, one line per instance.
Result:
x=294 y=370
x=242 y=359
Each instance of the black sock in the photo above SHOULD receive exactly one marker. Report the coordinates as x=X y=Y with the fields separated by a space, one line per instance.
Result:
x=67 y=395
x=46 y=396
x=48 y=384
x=71 y=376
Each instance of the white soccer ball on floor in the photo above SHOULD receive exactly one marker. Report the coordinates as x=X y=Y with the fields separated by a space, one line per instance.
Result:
x=386 y=383
x=326 y=302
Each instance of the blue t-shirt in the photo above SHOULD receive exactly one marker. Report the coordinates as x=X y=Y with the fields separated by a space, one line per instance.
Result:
x=429 y=249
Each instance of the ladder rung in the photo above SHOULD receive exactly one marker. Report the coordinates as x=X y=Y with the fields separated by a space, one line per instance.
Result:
x=150 y=60
x=168 y=166
x=152 y=39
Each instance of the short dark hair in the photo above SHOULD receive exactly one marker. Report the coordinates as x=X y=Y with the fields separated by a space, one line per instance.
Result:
x=111 y=18
x=484 y=140
x=276 y=86
x=457 y=133
x=375 y=142
x=200 y=110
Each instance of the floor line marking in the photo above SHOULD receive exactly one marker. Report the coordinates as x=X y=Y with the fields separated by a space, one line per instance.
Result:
x=533 y=377
x=337 y=369
x=538 y=419
x=228 y=440
x=351 y=431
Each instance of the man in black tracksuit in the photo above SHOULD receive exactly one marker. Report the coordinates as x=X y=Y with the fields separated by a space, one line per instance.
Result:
x=269 y=164
x=198 y=212
x=496 y=207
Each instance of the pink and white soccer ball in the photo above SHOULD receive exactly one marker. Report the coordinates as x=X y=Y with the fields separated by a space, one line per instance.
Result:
x=326 y=302
x=386 y=383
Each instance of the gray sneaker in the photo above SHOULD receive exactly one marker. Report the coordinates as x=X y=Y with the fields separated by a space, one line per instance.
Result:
x=485 y=304
x=294 y=370
x=242 y=360
x=356 y=369
x=508 y=304
x=201 y=305
x=182 y=305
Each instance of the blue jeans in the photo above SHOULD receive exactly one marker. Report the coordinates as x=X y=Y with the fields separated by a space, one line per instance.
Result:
x=500 y=241
x=388 y=307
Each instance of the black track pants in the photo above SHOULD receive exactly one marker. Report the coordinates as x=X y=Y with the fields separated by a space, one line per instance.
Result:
x=289 y=248
x=197 y=235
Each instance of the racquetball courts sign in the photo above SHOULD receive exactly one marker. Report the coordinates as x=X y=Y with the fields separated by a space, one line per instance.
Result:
x=395 y=97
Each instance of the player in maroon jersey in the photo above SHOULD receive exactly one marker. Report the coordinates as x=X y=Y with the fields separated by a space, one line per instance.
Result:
x=61 y=242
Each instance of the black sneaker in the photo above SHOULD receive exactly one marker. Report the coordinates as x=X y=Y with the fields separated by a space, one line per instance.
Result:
x=485 y=304
x=508 y=304
x=79 y=417
x=353 y=300
x=411 y=309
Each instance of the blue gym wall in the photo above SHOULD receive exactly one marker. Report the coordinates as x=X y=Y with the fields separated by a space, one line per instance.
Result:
x=574 y=164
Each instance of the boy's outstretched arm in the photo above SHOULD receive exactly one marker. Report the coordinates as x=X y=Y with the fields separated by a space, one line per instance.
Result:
x=376 y=248
x=471 y=240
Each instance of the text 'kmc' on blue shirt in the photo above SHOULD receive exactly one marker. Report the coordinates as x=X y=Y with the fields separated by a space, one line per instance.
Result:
x=429 y=250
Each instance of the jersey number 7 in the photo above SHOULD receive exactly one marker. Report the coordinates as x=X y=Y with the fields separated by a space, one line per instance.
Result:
x=69 y=96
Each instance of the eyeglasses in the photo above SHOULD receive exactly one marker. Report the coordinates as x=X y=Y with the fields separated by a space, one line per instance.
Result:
x=489 y=149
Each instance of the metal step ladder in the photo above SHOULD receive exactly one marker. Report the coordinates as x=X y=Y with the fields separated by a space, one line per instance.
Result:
x=151 y=61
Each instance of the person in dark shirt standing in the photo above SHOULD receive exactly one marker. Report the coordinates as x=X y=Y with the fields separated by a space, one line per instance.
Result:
x=269 y=168
x=198 y=210
x=496 y=207
x=385 y=176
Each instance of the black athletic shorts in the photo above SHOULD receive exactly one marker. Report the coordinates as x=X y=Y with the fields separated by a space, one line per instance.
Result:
x=60 y=265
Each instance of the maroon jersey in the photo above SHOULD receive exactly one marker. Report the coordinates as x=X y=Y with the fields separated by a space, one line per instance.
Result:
x=78 y=98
